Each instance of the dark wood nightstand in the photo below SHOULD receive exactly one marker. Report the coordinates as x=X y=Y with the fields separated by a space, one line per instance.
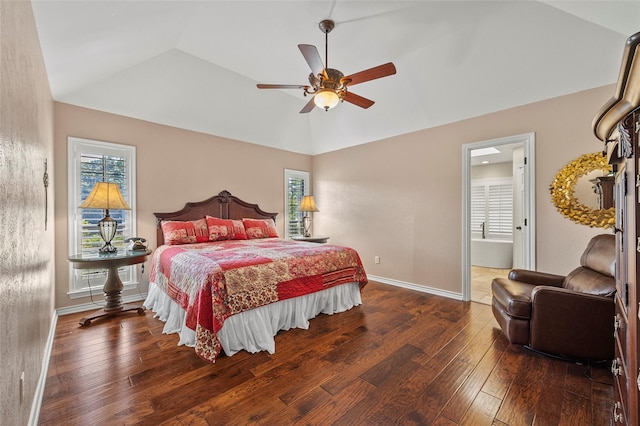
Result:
x=315 y=239
x=113 y=285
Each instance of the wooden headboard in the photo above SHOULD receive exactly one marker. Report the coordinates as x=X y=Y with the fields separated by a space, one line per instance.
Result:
x=224 y=206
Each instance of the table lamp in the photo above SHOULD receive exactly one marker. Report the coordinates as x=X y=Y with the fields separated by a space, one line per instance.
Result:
x=307 y=205
x=106 y=196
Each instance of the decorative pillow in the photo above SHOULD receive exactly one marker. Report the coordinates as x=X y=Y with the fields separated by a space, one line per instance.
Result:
x=225 y=229
x=260 y=228
x=184 y=232
x=239 y=233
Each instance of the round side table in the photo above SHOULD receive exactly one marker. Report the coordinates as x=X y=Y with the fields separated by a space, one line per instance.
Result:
x=113 y=285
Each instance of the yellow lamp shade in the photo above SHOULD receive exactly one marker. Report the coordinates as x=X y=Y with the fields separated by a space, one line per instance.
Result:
x=308 y=204
x=105 y=195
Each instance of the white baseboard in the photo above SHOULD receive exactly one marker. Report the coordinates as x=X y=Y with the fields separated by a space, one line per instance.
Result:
x=417 y=287
x=44 y=370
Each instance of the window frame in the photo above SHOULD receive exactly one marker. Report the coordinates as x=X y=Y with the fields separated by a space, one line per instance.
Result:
x=288 y=175
x=82 y=282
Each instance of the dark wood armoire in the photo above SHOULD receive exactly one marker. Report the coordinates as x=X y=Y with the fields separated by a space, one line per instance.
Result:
x=617 y=124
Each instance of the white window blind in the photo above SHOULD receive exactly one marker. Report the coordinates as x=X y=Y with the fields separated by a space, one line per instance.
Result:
x=492 y=208
x=500 y=209
x=296 y=185
x=101 y=168
x=478 y=209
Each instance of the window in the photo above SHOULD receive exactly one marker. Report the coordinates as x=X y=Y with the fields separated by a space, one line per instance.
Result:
x=492 y=208
x=90 y=162
x=296 y=185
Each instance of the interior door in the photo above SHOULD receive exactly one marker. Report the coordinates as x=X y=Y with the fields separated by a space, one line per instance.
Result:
x=519 y=226
x=518 y=218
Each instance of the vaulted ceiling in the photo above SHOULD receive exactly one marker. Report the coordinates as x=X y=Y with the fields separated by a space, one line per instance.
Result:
x=195 y=65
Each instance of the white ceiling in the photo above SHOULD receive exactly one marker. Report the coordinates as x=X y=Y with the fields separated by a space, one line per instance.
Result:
x=195 y=64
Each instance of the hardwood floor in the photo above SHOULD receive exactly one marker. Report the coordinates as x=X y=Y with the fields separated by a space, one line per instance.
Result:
x=403 y=357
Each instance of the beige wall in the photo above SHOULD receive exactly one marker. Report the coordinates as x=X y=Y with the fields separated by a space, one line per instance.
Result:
x=173 y=166
x=26 y=247
x=401 y=198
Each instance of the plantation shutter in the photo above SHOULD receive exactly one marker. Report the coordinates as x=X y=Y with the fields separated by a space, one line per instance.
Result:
x=478 y=209
x=500 y=209
x=492 y=205
x=296 y=190
x=101 y=168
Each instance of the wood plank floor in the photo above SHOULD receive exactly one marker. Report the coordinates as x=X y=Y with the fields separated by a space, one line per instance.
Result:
x=403 y=357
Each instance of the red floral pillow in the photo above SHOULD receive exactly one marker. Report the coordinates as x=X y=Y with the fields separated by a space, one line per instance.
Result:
x=184 y=232
x=260 y=228
x=225 y=229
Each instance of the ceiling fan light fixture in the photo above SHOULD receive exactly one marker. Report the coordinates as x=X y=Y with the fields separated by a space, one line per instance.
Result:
x=326 y=99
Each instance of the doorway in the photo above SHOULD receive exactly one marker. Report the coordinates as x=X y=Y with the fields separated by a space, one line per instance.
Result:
x=505 y=166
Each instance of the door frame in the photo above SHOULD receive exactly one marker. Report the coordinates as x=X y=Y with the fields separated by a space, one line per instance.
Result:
x=528 y=141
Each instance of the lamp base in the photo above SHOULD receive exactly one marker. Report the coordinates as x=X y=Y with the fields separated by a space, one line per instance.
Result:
x=306 y=223
x=107 y=227
x=108 y=249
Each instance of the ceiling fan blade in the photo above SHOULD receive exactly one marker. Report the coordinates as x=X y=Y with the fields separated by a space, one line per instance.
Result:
x=358 y=100
x=281 y=86
x=371 y=74
x=312 y=57
x=308 y=107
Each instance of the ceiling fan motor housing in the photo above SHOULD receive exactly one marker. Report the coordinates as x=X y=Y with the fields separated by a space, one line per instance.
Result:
x=334 y=80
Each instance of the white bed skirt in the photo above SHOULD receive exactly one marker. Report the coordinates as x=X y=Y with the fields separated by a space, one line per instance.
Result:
x=254 y=330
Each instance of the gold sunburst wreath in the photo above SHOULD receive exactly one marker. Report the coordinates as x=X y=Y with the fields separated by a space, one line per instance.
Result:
x=563 y=192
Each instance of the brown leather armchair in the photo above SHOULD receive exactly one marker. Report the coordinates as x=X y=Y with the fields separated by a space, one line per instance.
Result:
x=569 y=317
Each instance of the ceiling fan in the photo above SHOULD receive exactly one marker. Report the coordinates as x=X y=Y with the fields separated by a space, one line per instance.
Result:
x=328 y=86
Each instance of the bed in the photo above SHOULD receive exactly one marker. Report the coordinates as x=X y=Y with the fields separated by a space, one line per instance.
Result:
x=224 y=281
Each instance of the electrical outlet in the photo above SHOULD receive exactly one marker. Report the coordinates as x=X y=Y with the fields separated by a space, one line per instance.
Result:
x=22 y=388
x=376 y=259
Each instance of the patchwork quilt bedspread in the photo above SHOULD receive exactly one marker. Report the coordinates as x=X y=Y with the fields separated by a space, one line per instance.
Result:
x=212 y=281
